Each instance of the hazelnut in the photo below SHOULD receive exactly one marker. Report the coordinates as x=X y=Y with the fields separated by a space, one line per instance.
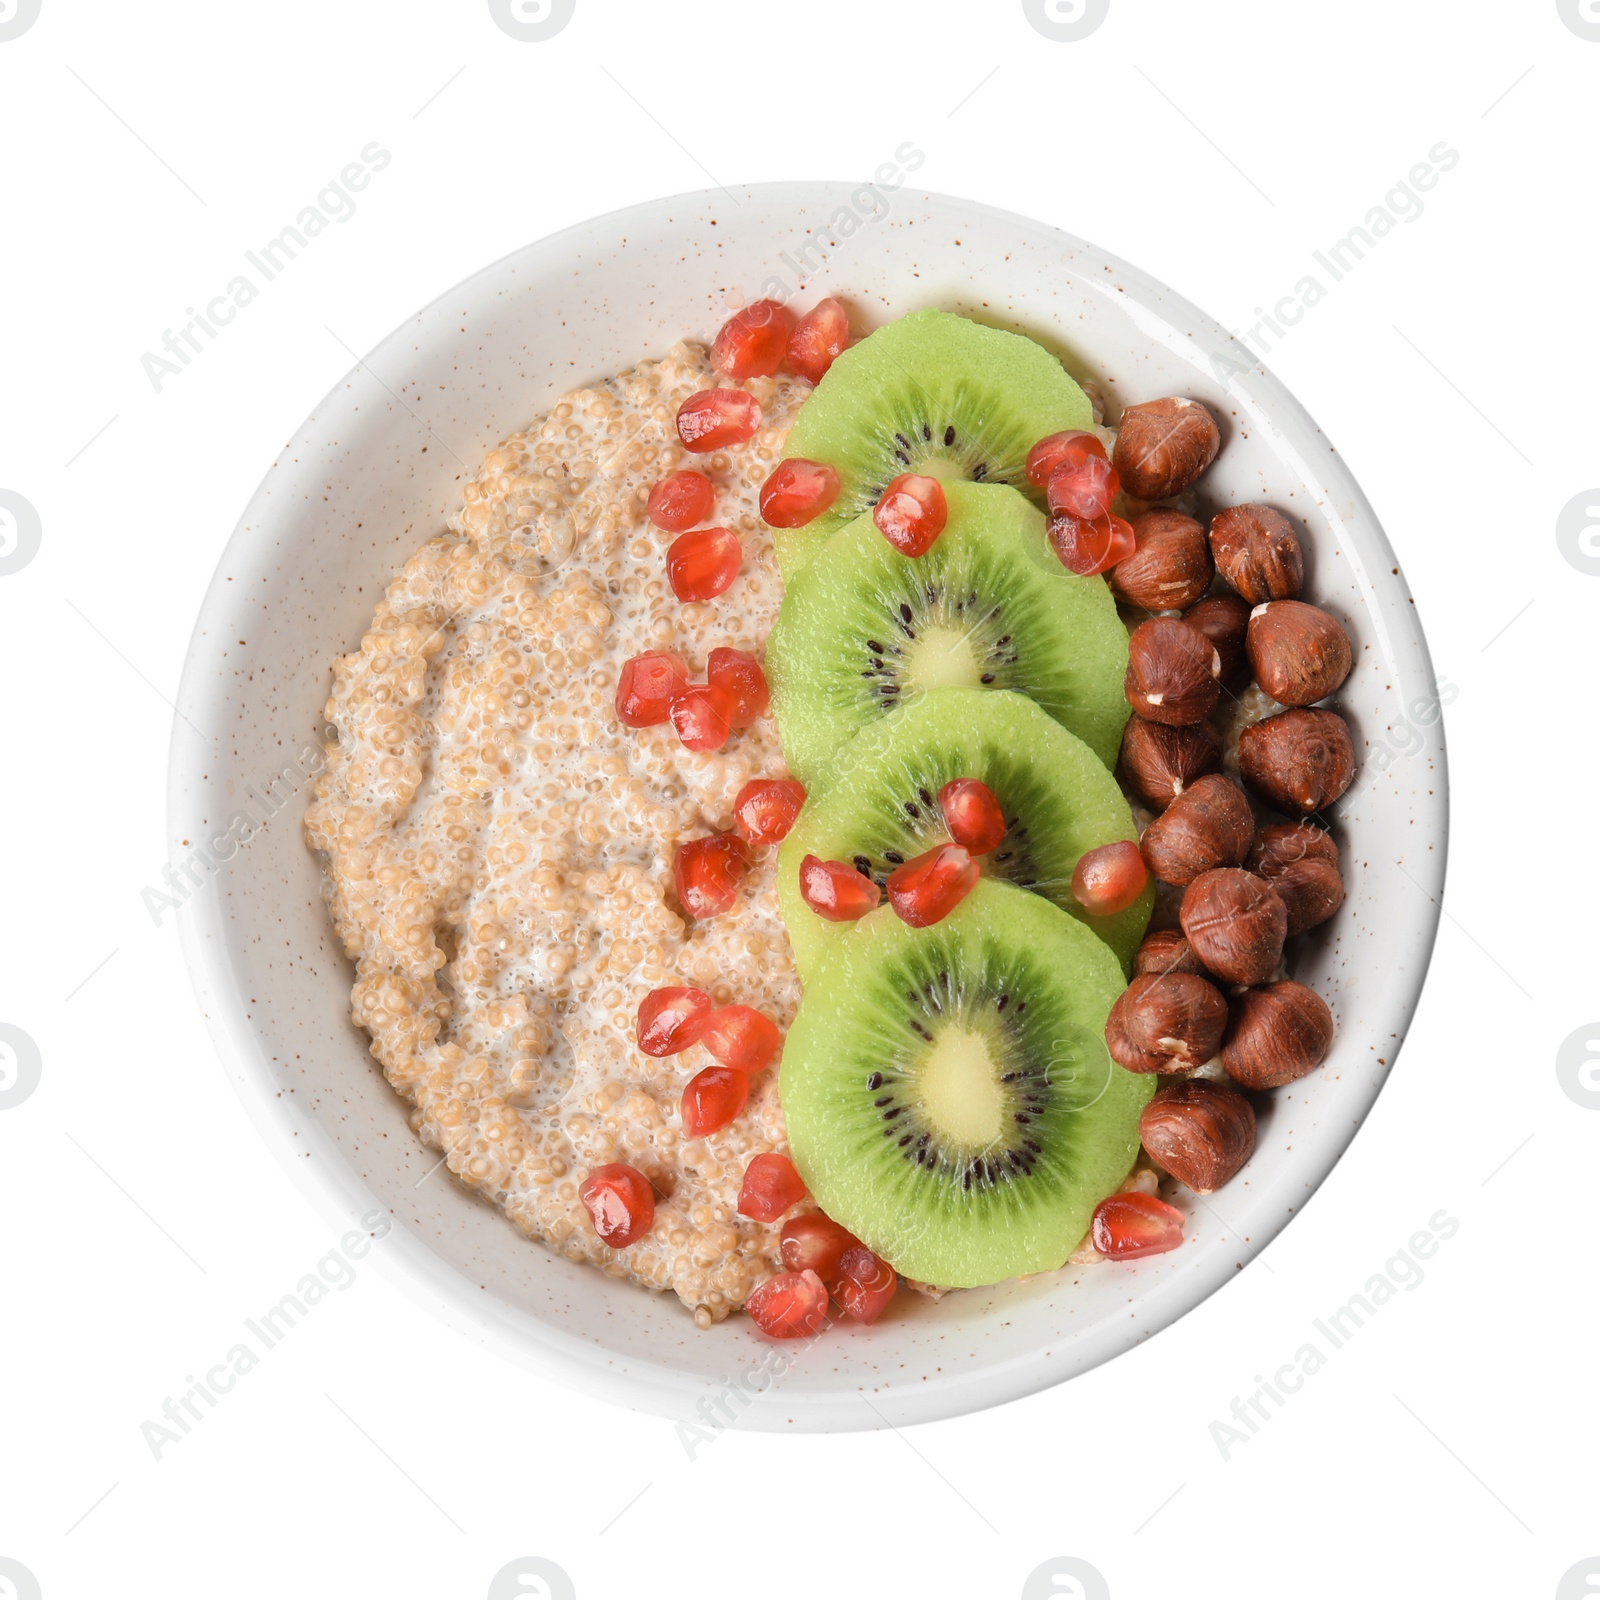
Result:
x=1163 y=446
x=1298 y=760
x=1175 y=1017
x=1302 y=864
x=1159 y=763
x=1208 y=825
x=1201 y=1132
x=1224 y=620
x=1236 y=924
x=1257 y=553
x=1172 y=673
x=1298 y=653
x=1167 y=951
x=1170 y=567
x=1279 y=1033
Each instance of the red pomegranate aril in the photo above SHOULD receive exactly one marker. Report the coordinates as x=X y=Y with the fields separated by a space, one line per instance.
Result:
x=714 y=419
x=700 y=565
x=738 y=675
x=836 y=891
x=973 y=815
x=789 y=1305
x=1083 y=488
x=670 y=1020
x=815 y=1243
x=1088 y=547
x=865 y=1285
x=703 y=716
x=798 y=491
x=712 y=1099
x=647 y=686
x=819 y=336
x=707 y=871
x=771 y=1186
x=620 y=1203
x=1052 y=451
x=753 y=341
x=930 y=886
x=680 y=500
x=741 y=1037
x=911 y=513
x=1109 y=879
x=1130 y=1225
x=765 y=809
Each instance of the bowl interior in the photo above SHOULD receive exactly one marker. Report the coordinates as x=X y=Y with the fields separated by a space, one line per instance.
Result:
x=377 y=469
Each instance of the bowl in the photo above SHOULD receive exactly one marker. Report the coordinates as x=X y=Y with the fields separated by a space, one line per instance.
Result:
x=377 y=469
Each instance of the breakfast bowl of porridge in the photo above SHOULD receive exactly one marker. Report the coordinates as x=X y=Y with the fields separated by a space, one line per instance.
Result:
x=821 y=795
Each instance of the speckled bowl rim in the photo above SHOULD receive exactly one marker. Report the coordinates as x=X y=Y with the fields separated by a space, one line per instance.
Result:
x=341 y=1194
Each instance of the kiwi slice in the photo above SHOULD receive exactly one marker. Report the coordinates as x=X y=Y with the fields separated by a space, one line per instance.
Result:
x=932 y=393
x=948 y=1093
x=864 y=630
x=880 y=807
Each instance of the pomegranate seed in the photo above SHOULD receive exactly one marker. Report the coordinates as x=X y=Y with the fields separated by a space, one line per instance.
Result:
x=707 y=873
x=797 y=491
x=820 y=335
x=680 y=500
x=671 y=1020
x=647 y=686
x=753 y=341
x=815 y=1243
x=1090 y=547
x=713 y=419
x=738 y=675
x=1083 y=488
x=1055 y=449
x=912 y=513
x=1129 y=1225
x=741 y=1037
x=930 y=886
x=973 y=815
x=789 y=1305
x=765 y=809
x=703 y=716
x=712 y=1099
x=866 y=1284
x=702 y=564
x=1109 y=879
x=771 y=1186
x=836 y=891
x=620 y=1203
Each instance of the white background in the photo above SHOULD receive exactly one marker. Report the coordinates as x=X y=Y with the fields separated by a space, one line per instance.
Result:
x=1445 y=1448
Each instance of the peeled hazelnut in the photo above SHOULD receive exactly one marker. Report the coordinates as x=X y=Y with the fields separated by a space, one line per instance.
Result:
x=1159 y=763
x=1167 y=951
x=1172 y=673
x=1170 y=567
x=1163 y=446
x=1298 y=760
x=1302 y=864
x=1201 y=1132
x=1208 y=825
x=1279 y=1033
x=1298 y=653
x=1257 y=553
x=1236 y=924
x=1176 y=1017
x=1224 y=620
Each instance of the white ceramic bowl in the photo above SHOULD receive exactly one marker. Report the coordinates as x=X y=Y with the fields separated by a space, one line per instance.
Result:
x=377 y=469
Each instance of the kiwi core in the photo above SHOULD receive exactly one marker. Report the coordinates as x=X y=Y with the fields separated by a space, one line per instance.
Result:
x=960 y=1088
x=943 y=658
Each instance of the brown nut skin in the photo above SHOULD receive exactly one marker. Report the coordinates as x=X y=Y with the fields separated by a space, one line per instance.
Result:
x=1125 y=1052
x=1158 y=763
x=1199 y=1131
x=1302 y=864
x=1163 y=446
x=1167 y=951
x=1258 y=553
x=1224 y=619
x=1175 y=1015
x=1172 y=673
x=1170 y=567
x=1298 y=761
x=1208 y=825
x=1299 y=653
x=1236 y=923
x=1279 y=1033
